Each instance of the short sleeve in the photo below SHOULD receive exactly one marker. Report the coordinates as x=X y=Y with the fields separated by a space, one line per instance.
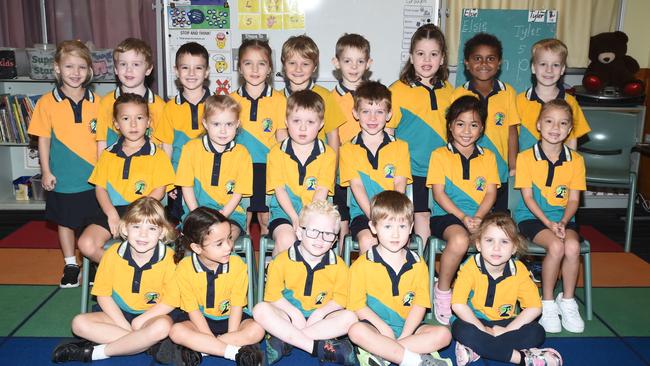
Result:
x=403 y=169
x=342 y=284
x=240 y=284
x=104 y=117
x=244 y=180
x=436 y=173
x=185 y=171
x=184 y=283
x=523 y=178
x=578 y=179
x=492 y=171
x=464 y=283
x=327 y=174
x=334 y=117
x=512 y=113
x=357 y=293
x=165 y=129
x=99 y=176
x=422 y=296
x=580 y=125
x=103 y=284
x=527 y=294
x=274 y=280
x=40 y=123
x=163 y=172
x=274 y=170
x=347 y=172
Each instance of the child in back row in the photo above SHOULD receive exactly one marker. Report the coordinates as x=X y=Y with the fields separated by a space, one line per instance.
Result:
x=299 y=63
x=64 y=122
x=307 y=291
x=551 y=176
x=262 y=116
x=373 y=161
x=135 y=290
x=483 y=54
x=486 y=293
x=214 y=171
x=131 y=168
x=212 y=283
x=464 y=182
x=389 y=292
x=133 y=60
x=301 y=169
x=420 y=98
x=351 y=62
x=548 y=64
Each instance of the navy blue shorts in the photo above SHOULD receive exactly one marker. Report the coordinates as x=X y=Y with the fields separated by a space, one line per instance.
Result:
x=420 y=194
x=530 y=228
x=340 y=199
x=277 y=222
x=71 y=210
x=217 y=327
x=438 y=224
x=358 y=224
x=176 y=314
x=102 y=220
x=501 y=203
x=258 y=199
x=366 y=321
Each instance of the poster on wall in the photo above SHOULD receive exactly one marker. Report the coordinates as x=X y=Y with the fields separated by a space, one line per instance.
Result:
x=208 y=23
x=270 y=15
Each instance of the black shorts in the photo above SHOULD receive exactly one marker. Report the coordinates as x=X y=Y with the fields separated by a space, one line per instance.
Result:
x=530 y=228
x=217 y=327
x=277 y=222
x=438 y=224
x=420 y=194
x=102 y=220
x=340 y=199
x=258 y=199
x=358 y=224
x=71 y=209
x=175 y=314
x=366 y=321
x=501 y=203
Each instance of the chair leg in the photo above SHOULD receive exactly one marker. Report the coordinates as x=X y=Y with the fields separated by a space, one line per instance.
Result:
x=630 y=214
x=260 y=270
x=587 y=280
x=250 y=266
x=347 y=249
x=432 y=270
x=85 y=284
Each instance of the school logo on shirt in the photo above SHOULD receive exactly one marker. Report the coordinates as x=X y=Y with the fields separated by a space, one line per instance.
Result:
x=479 y=184
x=389 y=171
x=148 y=132
x=505 y=310
x=151 y=297
x=311 y=183
x=267 y=124
x=140 y=187
x=408 y=298
x=230 y=187
x=498 y=118
x=93 y=126
x=560 y=191
x=320 y=298
x=224 y=306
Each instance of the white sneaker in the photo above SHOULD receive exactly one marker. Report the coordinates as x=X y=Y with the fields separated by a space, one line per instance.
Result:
x=550 y=319
x=571 y=319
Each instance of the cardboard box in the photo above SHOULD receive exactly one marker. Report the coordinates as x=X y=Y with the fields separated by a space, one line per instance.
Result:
x=41 y=63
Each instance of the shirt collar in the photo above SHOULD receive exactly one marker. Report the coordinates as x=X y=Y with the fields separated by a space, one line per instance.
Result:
x=296 y=256
x=149 y=148
x=437 y=85
x=509 y=270
x=209 y=147
x=287 y=148
x=477 y=150
x=288 y=91
x=158 y=254
x=267 y=92
x=199 y=267
x=60 y=96
x=180 y=98
x=531 y=94
x=357 y=140
x=342 y=90
x=497 y=86
x=149 y=96
x=565 y=154
x=374 y=256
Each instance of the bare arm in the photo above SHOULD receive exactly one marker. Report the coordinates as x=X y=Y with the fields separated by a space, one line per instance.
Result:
x=445 y=202
x=529 y=200
x=513 y=149
x=231 y=205
x=156 y=310
x=101 y=146
x=285 y=202
x=464 y=312
x=415 y=317
x=109 y=210
x=333 y=139
x=281 y=134
x=197 y=318
x=369 y=315
x=320 y=313
x=190 y=198
x=320 y=194
x=49 y=180
x=296 y=316
x=399 y=184
x=234 y=319
x=110 y=308
x=167 y=148
x=360 y=195
x=157 y=193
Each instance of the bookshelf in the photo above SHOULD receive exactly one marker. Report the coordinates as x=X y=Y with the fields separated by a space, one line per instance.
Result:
x=12 y=154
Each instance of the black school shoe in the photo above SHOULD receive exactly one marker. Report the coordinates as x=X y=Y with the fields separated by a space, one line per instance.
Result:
x=338 y=351
x=163 y=352
x=183 y=356
x=73 y=351
x=70 y=277
x=250 y=355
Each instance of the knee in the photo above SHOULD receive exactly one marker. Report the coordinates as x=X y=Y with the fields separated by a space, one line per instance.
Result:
x=366 y=240
x=458 y=244
x=356 y=332
x=85 y=245
x=261 y=311
x=348 y=318
x=555 y=249
x=79 y=324
x=159 y=329
x=177 y=333
x=571 y=248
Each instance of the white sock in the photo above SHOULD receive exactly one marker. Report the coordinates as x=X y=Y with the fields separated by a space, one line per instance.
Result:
x=410 y=358
x=231 y=352
x=204 y=354
x=98 y=352
x=70 y=260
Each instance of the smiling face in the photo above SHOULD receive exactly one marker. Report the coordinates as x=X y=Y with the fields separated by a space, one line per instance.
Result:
x=372 y=116
x=426 y=59
x=495 y=246
x=299 y=71
x=392 y=233
x=72 y=70
x=466 y=129
x=131 y=68
x=255 y=66
x=353 y=64
x=191 y=71
x=303 y=125
x=142 y=236
x=547 y=67
x=483 y=63
x=221 y=126
x=217 y=245
x=554 y=125
x=132 y=121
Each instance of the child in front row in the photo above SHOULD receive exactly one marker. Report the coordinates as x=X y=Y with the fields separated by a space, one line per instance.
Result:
x=464 y=181
x=214 y=171
x=389 y=292
x=212 y=283
x=301 y=169
x=262 y=119
x=135 y=290
x=486 y=293
x=307 y=291
x=551 y=176
x=483 y=54
x=131 y=168
x=373 y=161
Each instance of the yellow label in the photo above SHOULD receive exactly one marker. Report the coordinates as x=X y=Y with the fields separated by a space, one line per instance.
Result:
x=249 y=21
x=294 y=21
x=272 y=6
x=248 y=6
x=272 y=21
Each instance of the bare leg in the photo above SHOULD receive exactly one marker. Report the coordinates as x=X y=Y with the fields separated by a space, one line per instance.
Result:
x=421 y=226
x=66 y=240
x=277 y=323
x=552 y=261
x=427 y=339
x=263 y=218
x=284 y=236
x=571 y=263
x=457 y=239
x=369 y=338
x=91 y=242
x=366 y=240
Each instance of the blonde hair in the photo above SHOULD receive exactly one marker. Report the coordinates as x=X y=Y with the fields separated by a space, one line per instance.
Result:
x=323 y=208
x=550 y=44
x=306 y=99
x=557 y=104
x=391 y=204
x=137 y=45
x=150 y=210
x=504 y=222
x=216 y=103
x=78 y=49
x=302 y=45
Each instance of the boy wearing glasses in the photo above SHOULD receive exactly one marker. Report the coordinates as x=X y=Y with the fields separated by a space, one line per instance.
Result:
x=307 y=291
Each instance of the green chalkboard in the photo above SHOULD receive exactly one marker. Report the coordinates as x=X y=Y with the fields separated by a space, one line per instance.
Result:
x=517 y=30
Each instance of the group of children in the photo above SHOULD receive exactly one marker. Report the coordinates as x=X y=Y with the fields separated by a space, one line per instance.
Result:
x=280 y=155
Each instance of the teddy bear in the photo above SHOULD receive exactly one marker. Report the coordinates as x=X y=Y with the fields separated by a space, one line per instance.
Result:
x=610 y=66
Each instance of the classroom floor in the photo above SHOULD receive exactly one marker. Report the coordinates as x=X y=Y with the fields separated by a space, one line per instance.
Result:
x=36 y=313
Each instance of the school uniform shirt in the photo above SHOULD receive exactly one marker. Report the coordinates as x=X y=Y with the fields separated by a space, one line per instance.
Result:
x=501 y=114
x=181 y=122
x=495 y=298
x=419 y=119
x=284 y=169
x=70 y=127
x=127 y=178
x=106 y=128
x=529 y=105
x=550 y=182
x=465 y=180
x=344 y=97
x=260 y=118
x=333 y=117
x=135 y=289
x=291 y=277
x=390 y=295
x=215 y=176
x=213 y=292
x=377 y=172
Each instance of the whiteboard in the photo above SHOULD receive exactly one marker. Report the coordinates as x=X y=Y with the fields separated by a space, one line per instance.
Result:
x=388 y=26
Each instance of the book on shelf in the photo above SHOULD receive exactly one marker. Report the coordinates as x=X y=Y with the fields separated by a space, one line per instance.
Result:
x=15 y=113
